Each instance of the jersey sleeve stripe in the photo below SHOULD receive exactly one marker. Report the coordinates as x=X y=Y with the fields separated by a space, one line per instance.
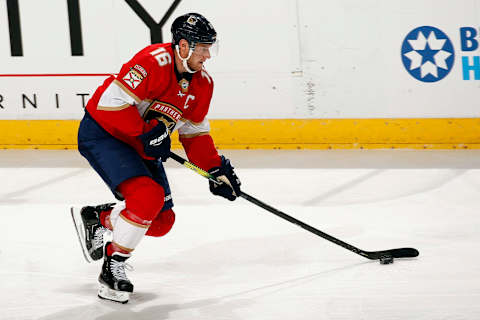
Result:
x=193 y=135
x=191 y=122
x=131 y=94
x=134 y=223
x=188 y=129
x=105 y=108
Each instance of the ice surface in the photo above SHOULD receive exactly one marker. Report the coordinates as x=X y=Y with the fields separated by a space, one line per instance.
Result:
x=226 y=260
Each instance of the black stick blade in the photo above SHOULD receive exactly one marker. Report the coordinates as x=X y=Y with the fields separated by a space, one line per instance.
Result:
x=396 y=253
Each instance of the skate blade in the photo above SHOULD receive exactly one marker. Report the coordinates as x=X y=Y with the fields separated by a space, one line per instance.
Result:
x=78 y=223
x=104 y=292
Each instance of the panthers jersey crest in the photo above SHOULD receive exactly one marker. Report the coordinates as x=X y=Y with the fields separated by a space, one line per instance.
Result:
x=165 y=112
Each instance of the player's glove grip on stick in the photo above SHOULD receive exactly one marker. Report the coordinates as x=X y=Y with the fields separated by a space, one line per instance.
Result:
x=156 y=142
x=229 y=186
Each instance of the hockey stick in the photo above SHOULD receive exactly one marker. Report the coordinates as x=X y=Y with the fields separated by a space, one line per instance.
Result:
x=372 y=255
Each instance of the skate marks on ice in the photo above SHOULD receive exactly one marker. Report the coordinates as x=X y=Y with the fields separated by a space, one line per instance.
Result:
x=42 y=181
x=142 y=305
x=272 y=254
x=358 y=189
x=107 y=310
x=344 y=187
x=241 y=271
x=41 y=159
x=217 y=280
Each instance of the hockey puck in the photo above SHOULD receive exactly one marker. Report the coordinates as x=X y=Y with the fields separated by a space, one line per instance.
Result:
x=387 y=259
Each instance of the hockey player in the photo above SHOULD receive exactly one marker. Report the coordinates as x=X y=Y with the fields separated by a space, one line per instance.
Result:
x=125 y=136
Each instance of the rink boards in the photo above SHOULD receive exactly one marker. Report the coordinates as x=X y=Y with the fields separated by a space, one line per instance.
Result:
x=308 y=74
x=460 y=133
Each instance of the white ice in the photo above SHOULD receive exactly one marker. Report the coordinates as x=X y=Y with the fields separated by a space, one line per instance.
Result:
x=234 y=260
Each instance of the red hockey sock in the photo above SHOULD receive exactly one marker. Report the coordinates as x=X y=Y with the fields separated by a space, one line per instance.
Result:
x=113 y=247
x=105 y=219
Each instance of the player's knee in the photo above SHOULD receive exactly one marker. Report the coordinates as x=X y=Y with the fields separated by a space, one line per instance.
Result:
x=144 y=197
x=162 y=224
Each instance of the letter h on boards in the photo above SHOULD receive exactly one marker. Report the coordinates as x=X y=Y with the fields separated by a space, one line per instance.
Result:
x=467 y=67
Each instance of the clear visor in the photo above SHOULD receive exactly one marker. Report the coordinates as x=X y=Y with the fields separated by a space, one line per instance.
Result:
x=206 y=49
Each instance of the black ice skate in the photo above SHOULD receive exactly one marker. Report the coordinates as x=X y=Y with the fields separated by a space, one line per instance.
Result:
x=89 y=230
x=113 y=282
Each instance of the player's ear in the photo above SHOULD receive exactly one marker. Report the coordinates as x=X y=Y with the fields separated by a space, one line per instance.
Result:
x=184 y=47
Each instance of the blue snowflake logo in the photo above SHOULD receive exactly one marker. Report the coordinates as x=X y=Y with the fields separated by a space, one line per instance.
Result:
x=428 y=54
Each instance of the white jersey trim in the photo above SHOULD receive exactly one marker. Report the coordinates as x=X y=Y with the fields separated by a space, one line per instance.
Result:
x=189 y=128
x=115 y=96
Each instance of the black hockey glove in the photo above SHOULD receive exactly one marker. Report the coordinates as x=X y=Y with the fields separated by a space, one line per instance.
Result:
x=229 y=186
x=156 y=142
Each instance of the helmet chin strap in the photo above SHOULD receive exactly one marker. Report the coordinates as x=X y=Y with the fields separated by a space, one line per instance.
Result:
x=184 y=60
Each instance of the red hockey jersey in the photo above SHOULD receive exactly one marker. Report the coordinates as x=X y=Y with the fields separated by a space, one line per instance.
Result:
x=147 y=88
